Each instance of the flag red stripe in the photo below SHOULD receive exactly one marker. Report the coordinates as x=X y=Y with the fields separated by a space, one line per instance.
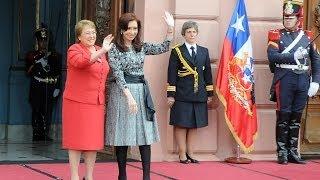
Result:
x=242 y=125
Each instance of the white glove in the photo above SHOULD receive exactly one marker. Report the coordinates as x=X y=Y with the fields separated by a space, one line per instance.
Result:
x=313 y=89
x=56 y=92
x=300 y=53
x=169 y=19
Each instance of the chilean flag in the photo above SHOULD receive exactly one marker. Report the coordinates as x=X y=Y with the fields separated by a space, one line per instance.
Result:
x=235 y=82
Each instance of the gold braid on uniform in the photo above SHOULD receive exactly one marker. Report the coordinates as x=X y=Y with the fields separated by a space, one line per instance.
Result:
x=209 y=87
x=188 y=70
x=171 y=88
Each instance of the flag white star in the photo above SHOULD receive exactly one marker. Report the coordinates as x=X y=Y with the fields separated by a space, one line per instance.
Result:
x=246 y=78
x=238 y=25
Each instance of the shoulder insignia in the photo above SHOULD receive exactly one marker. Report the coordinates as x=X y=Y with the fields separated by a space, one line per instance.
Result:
x=309 y=34
x=177 y=45
x=274 y=35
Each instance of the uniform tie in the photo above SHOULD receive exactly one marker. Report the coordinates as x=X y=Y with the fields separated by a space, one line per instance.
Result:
x=193 y=53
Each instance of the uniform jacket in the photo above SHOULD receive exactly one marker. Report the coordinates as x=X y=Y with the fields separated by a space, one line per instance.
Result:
x=42 y=92
x=279 y=40
x=187 y=85
x=85 y=80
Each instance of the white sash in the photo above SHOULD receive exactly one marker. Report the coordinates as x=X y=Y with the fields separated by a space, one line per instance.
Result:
x=294 y=42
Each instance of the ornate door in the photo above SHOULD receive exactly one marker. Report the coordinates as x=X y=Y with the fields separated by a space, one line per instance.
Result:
x=105 y=13
x=310 y=129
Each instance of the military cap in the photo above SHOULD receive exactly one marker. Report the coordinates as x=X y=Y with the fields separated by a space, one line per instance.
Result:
x=41 y=33
x=293 y=8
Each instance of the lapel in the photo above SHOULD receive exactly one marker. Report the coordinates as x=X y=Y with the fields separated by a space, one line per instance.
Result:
x=197 y=59
x=186 y=54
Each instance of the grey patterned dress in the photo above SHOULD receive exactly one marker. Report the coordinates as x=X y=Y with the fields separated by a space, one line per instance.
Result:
x=123 y=128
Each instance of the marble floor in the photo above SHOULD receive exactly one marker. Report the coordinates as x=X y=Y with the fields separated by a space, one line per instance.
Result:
x=14 y=151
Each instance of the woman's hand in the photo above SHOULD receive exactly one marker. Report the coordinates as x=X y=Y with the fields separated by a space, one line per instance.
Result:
x=169 y=19
x=170 y=101
x=106 y=46
x=213 y=102
x=133 y=107
x=170 y=22
x=132 y=104
x=107 y=42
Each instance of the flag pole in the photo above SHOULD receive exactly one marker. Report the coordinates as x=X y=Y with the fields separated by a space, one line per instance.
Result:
x=238 y=159
x=235 y=84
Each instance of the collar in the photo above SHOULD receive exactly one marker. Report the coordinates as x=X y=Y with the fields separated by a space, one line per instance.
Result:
x=189 y=46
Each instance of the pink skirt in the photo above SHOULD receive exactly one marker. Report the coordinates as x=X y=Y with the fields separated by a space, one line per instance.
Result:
x=82 y=125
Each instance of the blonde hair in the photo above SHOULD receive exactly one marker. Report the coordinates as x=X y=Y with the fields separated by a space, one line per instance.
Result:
x=80 y=25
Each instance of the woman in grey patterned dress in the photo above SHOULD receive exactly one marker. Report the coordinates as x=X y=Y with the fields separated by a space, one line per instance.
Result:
x=130 y=114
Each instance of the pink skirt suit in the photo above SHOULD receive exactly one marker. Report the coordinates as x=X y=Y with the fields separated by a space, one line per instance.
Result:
x=83 y=107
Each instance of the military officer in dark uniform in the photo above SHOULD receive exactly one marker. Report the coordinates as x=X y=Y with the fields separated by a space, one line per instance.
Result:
x=43 y=67
x=296 y=67
x=189 y=90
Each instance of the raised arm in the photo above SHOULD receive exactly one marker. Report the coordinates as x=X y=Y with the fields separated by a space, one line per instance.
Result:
x=154 y=49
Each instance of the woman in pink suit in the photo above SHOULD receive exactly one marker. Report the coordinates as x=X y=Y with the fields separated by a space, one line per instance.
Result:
x=84 y=98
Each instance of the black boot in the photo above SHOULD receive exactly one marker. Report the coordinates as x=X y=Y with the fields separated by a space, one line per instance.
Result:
x=47 y=122
x=294 y=127
x=36 y=125
x=47 y=132
x=282 y=136
x=145 y=152
x=121 y=153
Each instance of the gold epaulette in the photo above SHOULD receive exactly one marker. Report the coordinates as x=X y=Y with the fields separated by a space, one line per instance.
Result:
x=309 y=34
x=273 y=38
x=274 y=35
x=177 y=45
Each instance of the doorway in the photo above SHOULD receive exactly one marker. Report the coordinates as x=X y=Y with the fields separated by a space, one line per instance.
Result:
x=310 y=136
x=23 y=18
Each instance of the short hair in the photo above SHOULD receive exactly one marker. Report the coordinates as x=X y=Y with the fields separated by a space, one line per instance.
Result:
x=80 y=25
x=187 y=25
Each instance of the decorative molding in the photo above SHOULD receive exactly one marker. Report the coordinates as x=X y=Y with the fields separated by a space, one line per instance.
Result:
x=266 y=106
x=216 y=18
x=266 y=19
x=198 y=17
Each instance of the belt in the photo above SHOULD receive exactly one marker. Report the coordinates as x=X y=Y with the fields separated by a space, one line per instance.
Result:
x=46 y=80
x=147 y=96
x=299 y=67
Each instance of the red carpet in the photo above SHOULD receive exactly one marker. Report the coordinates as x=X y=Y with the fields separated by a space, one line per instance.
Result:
x=259 y=170
x=17 y=172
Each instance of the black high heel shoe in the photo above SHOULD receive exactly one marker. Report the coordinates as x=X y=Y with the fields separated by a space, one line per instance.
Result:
x=191 y=159
x=186 y=161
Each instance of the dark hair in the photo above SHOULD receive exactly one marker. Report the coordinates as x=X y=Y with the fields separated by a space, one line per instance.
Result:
x=123 y=26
